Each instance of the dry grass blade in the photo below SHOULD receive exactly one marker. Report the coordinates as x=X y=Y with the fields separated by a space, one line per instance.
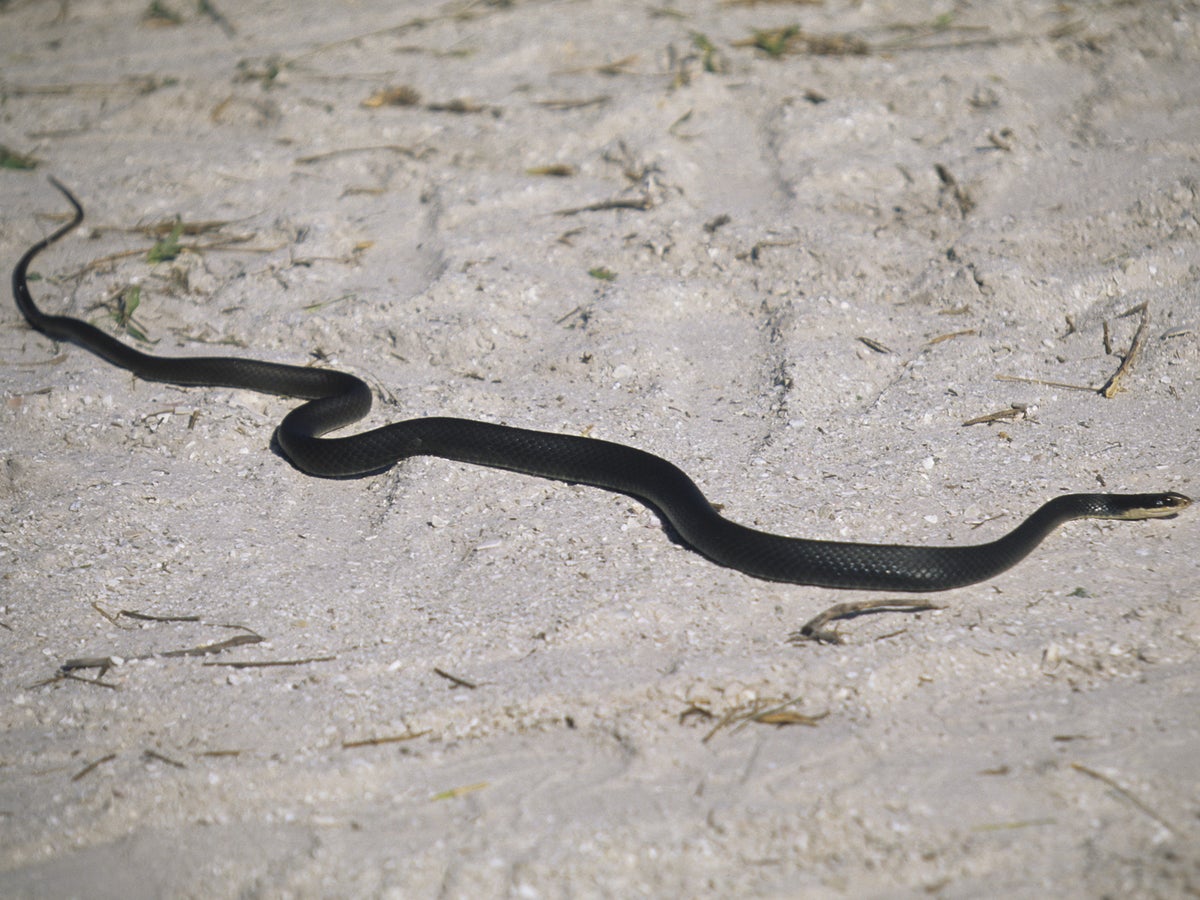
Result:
x=92 y=766
x=877 y=346
x=271 y=663
x=239 y=640
x=345 y=151
x=638 y=203
x=761 y=712
x=454 y=679
x=155 y=755
x=1066 y=386
x=1124 y=792
x=390 y=739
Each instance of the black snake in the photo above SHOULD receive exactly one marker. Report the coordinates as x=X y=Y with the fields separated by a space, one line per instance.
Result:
x=336 y=399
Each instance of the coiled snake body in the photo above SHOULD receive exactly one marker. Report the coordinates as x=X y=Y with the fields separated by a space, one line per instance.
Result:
x=336 y=399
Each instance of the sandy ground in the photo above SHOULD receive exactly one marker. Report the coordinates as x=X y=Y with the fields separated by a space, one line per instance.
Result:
x=622 y=220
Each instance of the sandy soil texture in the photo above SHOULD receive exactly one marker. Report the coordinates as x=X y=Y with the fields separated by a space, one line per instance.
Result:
x=793 y=248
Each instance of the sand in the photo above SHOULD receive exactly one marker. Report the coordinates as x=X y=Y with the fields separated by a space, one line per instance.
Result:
x=794 y=269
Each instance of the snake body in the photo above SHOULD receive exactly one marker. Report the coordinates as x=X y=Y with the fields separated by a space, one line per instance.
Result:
x=336 y=399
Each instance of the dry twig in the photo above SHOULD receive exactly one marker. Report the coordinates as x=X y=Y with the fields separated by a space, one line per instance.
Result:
x=1113 y=386
x=814 y=629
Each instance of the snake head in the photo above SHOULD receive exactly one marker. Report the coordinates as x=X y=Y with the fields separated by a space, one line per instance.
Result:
x=1176 y=502
x=1161 y=506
